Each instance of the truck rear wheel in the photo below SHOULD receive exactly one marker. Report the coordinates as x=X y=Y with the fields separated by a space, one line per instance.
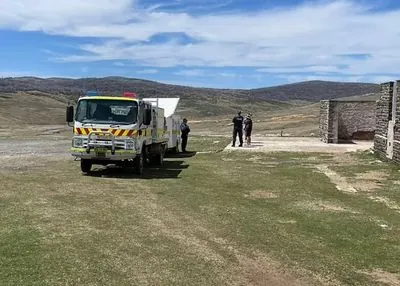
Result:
x=158 y=159
x=176 y=148
x=86 y=165
x=139 y=164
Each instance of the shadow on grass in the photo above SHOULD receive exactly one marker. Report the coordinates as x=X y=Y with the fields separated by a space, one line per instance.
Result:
x=171 y=169
x=248 y=147
x=345 y=142
x=180 y=155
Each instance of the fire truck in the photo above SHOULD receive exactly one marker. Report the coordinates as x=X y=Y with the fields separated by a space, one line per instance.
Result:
x=123 y=130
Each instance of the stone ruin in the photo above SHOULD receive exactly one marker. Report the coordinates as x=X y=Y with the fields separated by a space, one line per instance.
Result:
x=387 y=135
x=344 y=120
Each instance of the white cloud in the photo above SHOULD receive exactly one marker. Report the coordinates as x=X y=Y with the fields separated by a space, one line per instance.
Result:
x=57 y=16
x=229 y=74
x=148 y=71
x=342 y=78
x=306 y=69
x=194 y=73
x=206 y=73
x=4 y=74
x=312 y=35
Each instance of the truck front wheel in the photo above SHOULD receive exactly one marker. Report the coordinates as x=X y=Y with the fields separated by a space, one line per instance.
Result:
x=139 y=164
x=86 y=165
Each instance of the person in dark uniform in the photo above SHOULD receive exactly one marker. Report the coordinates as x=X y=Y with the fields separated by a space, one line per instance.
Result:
x=238 y=129
x=185 y=130
x=248 y=127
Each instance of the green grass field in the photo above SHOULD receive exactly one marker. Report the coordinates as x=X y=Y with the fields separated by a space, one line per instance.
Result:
x=214 y=218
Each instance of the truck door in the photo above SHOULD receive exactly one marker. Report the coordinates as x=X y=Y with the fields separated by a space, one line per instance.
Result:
x=154 y=129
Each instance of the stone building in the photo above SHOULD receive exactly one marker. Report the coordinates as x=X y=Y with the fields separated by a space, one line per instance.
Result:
x=387 y=136
x=346 y=120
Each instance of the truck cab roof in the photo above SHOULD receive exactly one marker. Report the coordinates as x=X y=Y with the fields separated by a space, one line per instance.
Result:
x=109 y=98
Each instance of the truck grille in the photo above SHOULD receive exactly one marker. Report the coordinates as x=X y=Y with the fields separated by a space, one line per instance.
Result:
x=104 y=143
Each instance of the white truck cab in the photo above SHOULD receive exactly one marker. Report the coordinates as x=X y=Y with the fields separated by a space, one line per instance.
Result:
x=122 y=130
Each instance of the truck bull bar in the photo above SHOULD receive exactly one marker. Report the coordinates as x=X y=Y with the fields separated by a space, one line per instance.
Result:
x=91 y=145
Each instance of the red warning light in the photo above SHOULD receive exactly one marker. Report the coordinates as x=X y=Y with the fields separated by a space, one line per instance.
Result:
x=130 y=94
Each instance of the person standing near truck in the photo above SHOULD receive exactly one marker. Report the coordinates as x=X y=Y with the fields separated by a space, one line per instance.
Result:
x=248 y=127
x=238 y=129
x=185 y=130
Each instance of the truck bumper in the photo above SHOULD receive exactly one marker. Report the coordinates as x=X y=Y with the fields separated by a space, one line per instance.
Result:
x=119 y=155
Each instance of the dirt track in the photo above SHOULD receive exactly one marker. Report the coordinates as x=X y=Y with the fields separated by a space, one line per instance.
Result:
x=42 y=147
x=17 y=155
x=299 y=144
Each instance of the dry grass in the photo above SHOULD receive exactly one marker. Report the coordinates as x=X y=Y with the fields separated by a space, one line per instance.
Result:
x=22 y=110
x=195 y=222
x=261 y=195
x=384 y=277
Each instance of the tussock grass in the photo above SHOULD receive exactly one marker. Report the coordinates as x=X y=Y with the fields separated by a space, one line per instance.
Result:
x=204 y=219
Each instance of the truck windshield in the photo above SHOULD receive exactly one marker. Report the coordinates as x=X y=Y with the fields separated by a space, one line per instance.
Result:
x=107 y=111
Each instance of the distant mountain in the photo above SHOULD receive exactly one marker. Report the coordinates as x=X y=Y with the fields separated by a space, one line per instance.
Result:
x=308 y=91
x=315 y=90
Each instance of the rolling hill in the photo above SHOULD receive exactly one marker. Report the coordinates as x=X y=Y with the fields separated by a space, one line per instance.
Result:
x=26 y=100
x=306 y=91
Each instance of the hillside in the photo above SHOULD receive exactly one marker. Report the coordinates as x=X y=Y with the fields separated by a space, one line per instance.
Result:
x=36 y=101
x=308 y=91
x=315 y=90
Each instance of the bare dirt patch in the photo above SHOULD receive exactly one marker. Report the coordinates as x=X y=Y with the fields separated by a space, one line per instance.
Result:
x=384 y=277
x=292 y=117
x=261 y=195
x=369 y=181
x=388 y=202
x=336 y=179
x=366 y=186
x=298 y=144
x=290 y=221
x=324 y=206
x=259 y=270
x=372 y=175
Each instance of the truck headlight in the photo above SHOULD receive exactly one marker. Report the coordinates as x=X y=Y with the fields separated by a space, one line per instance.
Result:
x=78 y=142
x=129 y=145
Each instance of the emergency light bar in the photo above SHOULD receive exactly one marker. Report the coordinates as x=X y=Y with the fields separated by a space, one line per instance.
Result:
x=130 y=94
x=92 y=93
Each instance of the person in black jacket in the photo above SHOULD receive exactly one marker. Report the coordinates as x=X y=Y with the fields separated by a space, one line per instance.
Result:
x=185 y=130
x=248 y=127
x=238 y=129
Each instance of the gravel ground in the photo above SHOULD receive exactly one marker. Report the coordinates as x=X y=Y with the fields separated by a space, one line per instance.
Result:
x=17 y=148
x=17 y=155
x=299 y=144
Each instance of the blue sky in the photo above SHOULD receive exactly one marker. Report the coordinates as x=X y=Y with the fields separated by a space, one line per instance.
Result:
x=226 y=44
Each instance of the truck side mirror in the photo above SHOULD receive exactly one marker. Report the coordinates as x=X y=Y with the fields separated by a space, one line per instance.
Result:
x=147 y=117
x=70 y=114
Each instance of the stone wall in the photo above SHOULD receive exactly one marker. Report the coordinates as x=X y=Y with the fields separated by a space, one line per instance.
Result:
x=386 y=124
x=347 y=120
x=396 y=143
x=324 y=121
x=357 y=120
x=383 y=115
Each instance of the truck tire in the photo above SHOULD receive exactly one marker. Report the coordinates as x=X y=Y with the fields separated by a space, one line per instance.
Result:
x=139 y=164
x=159 y=158
x=175 y=150
x=86 y=165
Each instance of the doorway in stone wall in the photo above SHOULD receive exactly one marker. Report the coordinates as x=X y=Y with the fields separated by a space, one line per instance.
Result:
x=392 y=121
